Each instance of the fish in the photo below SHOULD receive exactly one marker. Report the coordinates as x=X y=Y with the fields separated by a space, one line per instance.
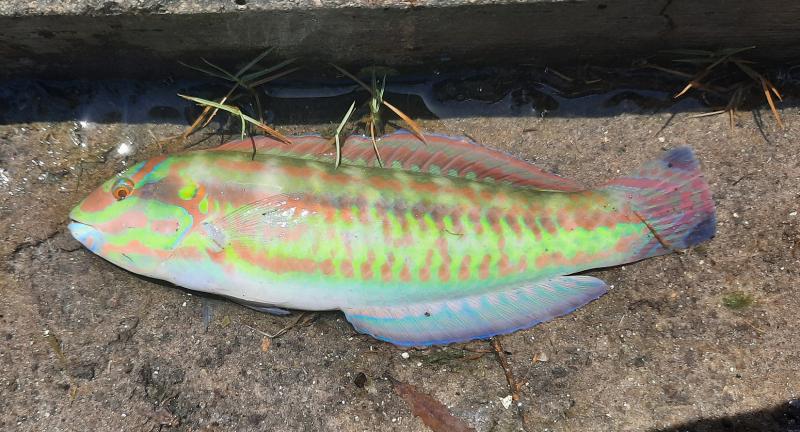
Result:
x=448 y=241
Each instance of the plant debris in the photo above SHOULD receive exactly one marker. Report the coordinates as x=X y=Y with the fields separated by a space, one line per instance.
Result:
x=503 y=359
x=737 y=300
x=714 y=79
x=241 y=80
x=337 y=137
x=302 y=319
x=432 y=412
x=242 y=116
x=265 y=344
x=55 y=345
x=374 y=121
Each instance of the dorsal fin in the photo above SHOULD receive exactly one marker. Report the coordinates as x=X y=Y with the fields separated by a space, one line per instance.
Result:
x=445 y=155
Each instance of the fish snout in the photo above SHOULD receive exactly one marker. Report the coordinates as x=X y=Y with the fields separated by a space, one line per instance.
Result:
x=87 y=235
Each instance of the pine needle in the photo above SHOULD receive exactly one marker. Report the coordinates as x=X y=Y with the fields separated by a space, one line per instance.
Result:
x=707 y=114
x=771 y=103
x=715 y=59
x=414 y=126
x=766 y=86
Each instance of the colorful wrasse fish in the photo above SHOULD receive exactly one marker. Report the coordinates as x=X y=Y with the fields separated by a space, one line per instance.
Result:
x=449 y=242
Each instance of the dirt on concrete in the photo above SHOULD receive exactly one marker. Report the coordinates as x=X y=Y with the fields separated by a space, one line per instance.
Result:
x=702 y=340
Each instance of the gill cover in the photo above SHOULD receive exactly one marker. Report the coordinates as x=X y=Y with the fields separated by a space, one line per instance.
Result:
x=135 y=219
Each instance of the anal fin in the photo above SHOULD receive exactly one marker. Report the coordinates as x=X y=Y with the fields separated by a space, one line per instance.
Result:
x=478 y=316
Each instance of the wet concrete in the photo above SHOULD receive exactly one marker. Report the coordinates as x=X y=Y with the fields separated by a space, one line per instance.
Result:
x=673 y=346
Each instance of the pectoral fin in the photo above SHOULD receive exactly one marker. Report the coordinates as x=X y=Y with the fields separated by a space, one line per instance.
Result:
x=258 y=220
x=272 y=310
x=479 y=316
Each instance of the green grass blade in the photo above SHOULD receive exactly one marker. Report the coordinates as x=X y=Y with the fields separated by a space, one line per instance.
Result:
x=274 y=77
x=255 y=75
x=238 y=112
x=254 y=62
x=228 y=75
x=339 y=132
x=229 y=108
x=206 y=71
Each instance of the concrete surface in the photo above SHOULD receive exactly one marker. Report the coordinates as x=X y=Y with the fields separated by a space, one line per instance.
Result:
x=85 y=345
x=145 y=38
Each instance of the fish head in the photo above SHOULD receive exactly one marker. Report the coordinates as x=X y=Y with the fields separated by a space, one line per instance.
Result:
x=138 y=218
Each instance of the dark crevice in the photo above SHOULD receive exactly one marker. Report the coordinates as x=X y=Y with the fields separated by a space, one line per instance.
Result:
x=31 y=244
x=668 y=19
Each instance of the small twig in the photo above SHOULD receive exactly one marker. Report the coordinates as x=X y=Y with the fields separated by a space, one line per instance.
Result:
x=708 y=114
x=253 y=144
x=666 y=123
x=664 y=243
x=55 y=345
x=281 y=331
x=503 y=359
x=375 y=143
x=748 y=322
x=739 y=180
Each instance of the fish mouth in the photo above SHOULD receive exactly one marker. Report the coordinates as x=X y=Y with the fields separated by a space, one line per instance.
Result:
x=86 y=234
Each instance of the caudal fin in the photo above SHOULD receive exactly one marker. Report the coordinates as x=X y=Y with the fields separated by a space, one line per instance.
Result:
x=673 y=199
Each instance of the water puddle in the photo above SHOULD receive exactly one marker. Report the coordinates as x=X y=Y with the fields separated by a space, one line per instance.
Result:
x=444 y=97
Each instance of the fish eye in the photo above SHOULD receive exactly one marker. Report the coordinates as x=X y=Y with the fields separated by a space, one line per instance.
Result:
x=122 y=189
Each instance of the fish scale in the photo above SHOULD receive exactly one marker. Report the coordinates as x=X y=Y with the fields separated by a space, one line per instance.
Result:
x=426 y=239
x=411 y=255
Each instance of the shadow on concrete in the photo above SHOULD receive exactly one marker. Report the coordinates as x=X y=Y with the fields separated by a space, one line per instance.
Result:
x=491 y=92
x=780 y=418
x=316 y=102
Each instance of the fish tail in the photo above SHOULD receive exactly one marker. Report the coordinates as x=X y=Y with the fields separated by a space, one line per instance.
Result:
x=671 y=197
